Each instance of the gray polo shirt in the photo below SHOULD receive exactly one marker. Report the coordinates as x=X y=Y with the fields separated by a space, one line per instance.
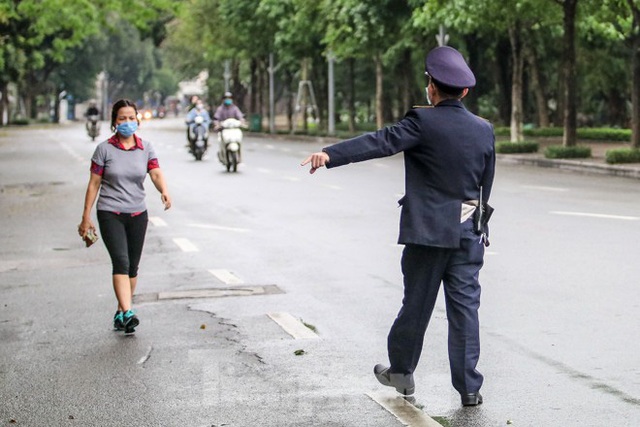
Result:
x=123 y=174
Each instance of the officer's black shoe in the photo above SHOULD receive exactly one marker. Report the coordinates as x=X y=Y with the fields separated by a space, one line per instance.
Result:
x=403 y=383
x=471 y=399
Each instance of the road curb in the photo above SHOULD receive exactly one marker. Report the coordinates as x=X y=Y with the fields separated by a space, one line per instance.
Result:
x=573 y=165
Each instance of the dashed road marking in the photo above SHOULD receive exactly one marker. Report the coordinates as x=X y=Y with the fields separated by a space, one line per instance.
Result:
x=543 y=188
x=333 y=187
x=291 y=178
x=595 y=215
x=157 y=221
x=219 y=227
x=226 y=277
x=404 y=411
x=292 y=326
x=73 y=154
x=185 y=244
x=264 y=170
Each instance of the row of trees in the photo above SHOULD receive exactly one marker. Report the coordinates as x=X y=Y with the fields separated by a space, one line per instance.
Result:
x=49 y=48
x=543 y=62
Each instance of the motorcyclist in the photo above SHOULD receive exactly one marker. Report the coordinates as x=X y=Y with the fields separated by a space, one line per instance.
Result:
x=93 y=115
x=198 y=110
x=227 y=110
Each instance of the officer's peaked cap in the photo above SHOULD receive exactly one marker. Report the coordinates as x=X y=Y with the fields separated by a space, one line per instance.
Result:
x=447 y=66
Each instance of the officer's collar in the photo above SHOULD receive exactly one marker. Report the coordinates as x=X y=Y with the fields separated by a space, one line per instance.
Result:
x=450 y=103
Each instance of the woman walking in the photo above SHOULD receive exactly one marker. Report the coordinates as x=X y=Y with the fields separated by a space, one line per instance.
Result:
x=119 y=167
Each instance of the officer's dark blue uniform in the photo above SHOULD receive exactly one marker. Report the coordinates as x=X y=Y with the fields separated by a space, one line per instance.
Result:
x=449 y=154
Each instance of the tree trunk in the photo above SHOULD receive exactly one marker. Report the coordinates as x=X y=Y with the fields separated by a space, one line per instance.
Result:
x=536 y=83
x=406 y=81
x=517 y=65
x=635 y=70
x=253 y=70
x=569 y=137
x=379 y=89
x=351 y=97
x=4 y=102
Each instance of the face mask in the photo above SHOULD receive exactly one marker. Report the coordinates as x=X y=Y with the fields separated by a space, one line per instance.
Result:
x=199 y=106
x=127 y=129
x=426 y=91
x=228 y=102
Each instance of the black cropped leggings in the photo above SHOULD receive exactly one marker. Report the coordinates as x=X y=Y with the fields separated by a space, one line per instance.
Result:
x=123 y=235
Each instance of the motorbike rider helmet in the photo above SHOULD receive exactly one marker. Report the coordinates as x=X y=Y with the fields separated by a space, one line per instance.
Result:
x=228 y=95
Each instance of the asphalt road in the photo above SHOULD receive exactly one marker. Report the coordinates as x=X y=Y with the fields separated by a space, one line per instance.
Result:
x=559 y=309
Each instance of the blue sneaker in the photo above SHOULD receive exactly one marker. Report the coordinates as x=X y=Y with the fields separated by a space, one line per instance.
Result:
x=118 y=321
x=130 y=322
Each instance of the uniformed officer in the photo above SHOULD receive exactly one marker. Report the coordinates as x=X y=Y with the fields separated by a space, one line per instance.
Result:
x=449 y=161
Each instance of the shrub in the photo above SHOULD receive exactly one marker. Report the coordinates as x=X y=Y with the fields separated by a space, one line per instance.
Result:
x=562 y=152
x=516 y=147
x=623 y=155
x=601 y=134
x=20 y=122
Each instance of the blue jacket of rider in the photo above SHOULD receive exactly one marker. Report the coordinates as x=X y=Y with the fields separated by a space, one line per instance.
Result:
x=191 y=115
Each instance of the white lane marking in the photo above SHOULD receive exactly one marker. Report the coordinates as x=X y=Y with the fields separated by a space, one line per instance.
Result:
x=595 y=215
x=292 y=326
x=226 y=277
x=185 y=244
x=542 y=188
x=157 y=221
x=404 y=411
x=291 y=178
x=263 y=170
x=285 y=149
x=219 y=227
x=490 y=253
x=333 y=187
x=269 y=146
x=73 y=154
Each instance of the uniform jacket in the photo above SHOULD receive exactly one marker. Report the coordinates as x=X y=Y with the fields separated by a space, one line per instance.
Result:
x=448 y=154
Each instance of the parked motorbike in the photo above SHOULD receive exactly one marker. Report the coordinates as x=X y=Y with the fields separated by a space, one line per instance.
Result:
x=230 y=144
x=93 y=127
x=198 y=137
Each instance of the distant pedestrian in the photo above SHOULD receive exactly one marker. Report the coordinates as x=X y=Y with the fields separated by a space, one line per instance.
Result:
x=449 y=169
x=119 y=167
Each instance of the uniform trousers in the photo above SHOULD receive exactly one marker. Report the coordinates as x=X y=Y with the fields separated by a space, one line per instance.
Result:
x=424 y=268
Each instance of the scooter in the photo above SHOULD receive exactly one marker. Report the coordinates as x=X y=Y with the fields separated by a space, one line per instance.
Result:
x=198 y=137
x=230 y=144
x=93 y=127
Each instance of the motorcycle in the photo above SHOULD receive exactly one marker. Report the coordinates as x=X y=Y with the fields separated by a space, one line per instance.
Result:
x=198 y=137
x=93 y=127
x=230 y=144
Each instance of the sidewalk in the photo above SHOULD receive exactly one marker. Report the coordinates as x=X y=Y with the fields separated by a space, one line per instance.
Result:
x=595 y=165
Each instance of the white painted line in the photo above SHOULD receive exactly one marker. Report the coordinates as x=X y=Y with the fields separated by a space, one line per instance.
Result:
x=490 y=253
x=269 y=146
x=291 y=178
x=542 y=188
x=219 y=227
x=185 y=244
x=594 y=215
x=73 y=154
x=157 y=221
x=292 y=326
x=263 y=170
x=404 y=411
x=226 y=277
x=333 y=187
